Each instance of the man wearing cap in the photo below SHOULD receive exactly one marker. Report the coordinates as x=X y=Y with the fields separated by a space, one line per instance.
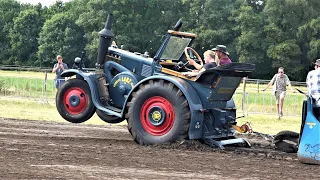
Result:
x=222 y=53
x=313 y=83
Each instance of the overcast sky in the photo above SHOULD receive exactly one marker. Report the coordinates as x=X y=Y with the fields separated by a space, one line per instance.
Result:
x=43 y=2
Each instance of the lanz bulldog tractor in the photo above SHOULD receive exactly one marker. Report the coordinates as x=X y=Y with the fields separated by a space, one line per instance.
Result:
x=158 y=102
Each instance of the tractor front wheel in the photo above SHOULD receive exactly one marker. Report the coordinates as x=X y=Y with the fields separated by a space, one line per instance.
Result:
x=74 y=102
x=158 y=112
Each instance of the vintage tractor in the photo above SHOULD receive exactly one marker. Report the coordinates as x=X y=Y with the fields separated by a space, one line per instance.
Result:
x=158 y=102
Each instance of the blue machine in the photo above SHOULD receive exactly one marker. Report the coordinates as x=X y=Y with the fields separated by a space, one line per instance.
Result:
x=309 y=143
x=158 y=102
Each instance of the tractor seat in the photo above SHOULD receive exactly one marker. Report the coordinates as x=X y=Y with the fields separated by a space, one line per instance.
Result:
x=208 y=77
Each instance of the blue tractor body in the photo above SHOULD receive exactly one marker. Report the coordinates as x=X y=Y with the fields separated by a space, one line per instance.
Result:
x=159 y=103
x=309 y=143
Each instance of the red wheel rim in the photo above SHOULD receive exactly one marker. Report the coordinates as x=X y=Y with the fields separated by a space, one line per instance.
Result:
x=157 y=116
x=75 y=100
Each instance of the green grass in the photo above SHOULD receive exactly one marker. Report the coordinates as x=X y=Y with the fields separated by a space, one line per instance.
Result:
x=257 y=100
x=27 y=102
x=26 y=87
x=27 y=84
x=269 y=124
x=27 y=74
x=30 y=109
x=32 y=86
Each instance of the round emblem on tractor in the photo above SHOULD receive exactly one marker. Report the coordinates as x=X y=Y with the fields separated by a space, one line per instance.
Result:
x=156 y=116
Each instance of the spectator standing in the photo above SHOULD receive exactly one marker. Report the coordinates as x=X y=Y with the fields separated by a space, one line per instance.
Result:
x=313 y=83
x=280 y=82
x=58 y=68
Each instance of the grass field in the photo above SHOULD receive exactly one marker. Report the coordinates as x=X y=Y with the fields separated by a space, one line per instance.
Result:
x=27 y=74
x=28 y=107
x=35 y=109
x=23 y=108
x=27 y=84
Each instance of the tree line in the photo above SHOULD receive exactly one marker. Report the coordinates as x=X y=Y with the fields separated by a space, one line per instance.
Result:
x=268 y=33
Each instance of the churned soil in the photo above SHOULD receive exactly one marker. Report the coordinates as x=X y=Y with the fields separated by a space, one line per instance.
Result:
x=47 y=150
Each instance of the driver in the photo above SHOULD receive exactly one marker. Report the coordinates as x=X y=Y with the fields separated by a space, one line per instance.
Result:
x=211 y=60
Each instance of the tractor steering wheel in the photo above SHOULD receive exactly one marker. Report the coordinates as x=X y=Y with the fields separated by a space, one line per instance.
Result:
x=186 y=52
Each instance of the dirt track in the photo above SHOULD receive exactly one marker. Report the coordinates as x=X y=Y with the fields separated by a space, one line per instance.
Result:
x=45 y=150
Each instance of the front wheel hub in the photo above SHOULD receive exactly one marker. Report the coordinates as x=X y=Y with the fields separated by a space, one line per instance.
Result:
x=75 y=101
x=157 y=116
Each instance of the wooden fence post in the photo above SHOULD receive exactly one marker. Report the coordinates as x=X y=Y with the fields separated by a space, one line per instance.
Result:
x=45 y=81
x=244 y=93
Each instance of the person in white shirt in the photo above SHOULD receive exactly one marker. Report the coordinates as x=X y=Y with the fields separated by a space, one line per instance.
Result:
x=313 y=83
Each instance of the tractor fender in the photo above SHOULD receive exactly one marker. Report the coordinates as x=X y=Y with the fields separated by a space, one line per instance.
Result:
x=195 y=105
x=72 y=72
x=90 y=78
x=108 y=66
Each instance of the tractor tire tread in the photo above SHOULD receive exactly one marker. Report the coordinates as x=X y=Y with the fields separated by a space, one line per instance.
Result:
x=182 y=130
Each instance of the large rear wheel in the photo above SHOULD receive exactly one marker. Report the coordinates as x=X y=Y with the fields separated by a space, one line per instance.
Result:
x=158 y=112
x=74 y=102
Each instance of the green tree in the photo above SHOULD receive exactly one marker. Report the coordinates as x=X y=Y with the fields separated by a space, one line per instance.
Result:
x=23 y=37
x=284 y=18
x=215 y=25
x=314 y=39
x=250 y=44
x=91 y=19
x=60 y=35
x=8 y=10
x=140 y=24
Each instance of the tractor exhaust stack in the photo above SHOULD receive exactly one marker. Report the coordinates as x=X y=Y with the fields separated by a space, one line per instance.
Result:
x=104 y=41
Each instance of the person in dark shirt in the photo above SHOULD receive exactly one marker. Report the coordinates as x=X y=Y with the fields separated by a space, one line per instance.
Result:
x=222 y=53
x=210 y=59
x=58 y=68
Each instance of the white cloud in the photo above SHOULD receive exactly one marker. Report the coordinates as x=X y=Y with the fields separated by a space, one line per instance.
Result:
x=43 y=2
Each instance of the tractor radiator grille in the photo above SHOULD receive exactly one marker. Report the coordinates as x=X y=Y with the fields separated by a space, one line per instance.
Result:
x=146 y=71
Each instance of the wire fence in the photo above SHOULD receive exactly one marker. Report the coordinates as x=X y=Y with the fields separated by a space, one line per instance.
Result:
x=249 y=97
x=27 y=87
x=25 y=68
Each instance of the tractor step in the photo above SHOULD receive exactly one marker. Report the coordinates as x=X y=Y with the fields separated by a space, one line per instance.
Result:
x=107 y=108
x=114 y=109
x=219 y=144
